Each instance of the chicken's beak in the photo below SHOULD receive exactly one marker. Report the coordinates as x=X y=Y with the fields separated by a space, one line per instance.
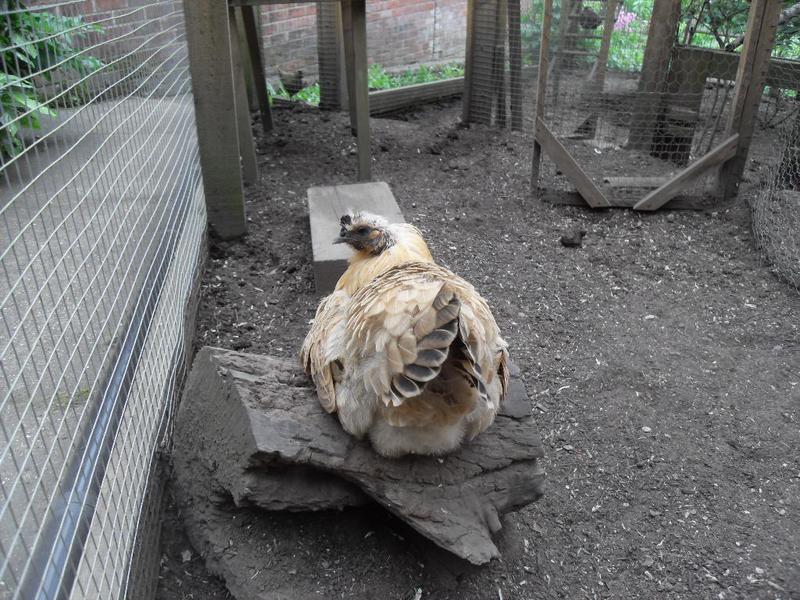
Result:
x=340 y=240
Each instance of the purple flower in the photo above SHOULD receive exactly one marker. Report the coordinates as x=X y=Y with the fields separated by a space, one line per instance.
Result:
x=624 y=21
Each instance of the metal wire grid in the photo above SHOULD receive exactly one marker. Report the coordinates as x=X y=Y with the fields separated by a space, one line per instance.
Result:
x=103 y=219
x=629 y=120
x=776 y=204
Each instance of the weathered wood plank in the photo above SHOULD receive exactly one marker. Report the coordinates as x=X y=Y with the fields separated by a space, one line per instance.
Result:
x=750 y=79
x=250 y=426
x=565 y=198
x=251 y=32
x=208 y=39
x=635 y=182
x=469 y=63
x=247 y=148
x=354 y=21
x=541 y=91
x=660 y=196
x=325 y=206
x=386 y=101
x=564 y=161
x=515 y=62
x=781 y=73
x=655 y=65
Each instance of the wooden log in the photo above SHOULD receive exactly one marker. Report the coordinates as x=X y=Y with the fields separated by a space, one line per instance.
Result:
x=660 y=196
x=541 y=91
x=250 y=425
x=655 y=64
x=750 y=79
x=208 y=40
x=571 y=169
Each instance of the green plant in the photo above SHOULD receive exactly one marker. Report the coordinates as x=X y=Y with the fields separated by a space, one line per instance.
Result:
x=36 y=45
x=379 y=79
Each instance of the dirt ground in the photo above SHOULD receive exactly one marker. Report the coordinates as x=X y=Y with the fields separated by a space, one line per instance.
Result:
x=663 y=359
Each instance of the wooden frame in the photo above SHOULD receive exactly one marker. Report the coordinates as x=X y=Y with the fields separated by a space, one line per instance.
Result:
x=750 y=79
x=541 y=90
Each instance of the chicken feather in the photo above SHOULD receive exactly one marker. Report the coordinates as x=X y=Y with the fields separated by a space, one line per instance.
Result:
x=405 y=351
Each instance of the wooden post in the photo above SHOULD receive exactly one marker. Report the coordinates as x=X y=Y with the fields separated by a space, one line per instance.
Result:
x=653 y=78
x=354 y=19
x=330 y=57
x=499 y=64
x=251 y=31
x=515 y=60
x=541 y=90
x=482 y=57
x=211 y=68
x=244 y=54
x=597 y=78
x=469 y=63
x=349 y=62
x=750 y=78
x=245 y=133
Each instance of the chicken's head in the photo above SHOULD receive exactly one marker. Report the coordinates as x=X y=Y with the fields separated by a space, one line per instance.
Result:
x=365 y=232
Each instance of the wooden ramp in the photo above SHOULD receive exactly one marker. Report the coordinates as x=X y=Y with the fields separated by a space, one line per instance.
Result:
x=326 y=205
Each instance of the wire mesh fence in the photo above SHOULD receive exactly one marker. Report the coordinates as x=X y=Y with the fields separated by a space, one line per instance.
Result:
x=102 y=228
x=776 y=203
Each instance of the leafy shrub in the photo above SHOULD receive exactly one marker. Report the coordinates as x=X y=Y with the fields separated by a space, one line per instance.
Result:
x=36 y=45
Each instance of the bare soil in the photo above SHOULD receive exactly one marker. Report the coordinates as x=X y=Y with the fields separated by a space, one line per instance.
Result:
x=663 y=358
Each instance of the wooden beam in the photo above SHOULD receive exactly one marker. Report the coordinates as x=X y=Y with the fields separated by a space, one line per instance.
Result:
x=781 y=73
x=634 y=182
x=211 y=68
x=386 y=101
x=566 y=198
x=541 y=90
x=469 y=62
x=263 y=2
x=564 y=161
x=250 y=16
x=247 y=149
x=349 y=62
x=330 y=57
x=354 y=19
x=655 y=65
x=660 y=196
x=761 y=24
x=481 y=94
x=499 y=64
x=515 y=62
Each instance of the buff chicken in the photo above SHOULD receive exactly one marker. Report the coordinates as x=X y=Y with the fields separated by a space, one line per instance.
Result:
x=404 y=351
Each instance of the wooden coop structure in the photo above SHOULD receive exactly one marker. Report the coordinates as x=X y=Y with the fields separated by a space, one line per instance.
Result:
x=224 y=46
x=647 y=132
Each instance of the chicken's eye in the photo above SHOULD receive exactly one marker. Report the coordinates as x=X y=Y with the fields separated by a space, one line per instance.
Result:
x=362 y=230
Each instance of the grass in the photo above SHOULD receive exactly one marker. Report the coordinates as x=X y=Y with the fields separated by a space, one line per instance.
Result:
x=379 y=79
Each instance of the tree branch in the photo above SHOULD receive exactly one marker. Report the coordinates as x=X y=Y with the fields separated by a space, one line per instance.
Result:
x=787 y=14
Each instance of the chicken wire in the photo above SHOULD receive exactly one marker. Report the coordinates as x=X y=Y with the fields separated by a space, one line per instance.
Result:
x=776 y=203
x=103 y=223
x=629 y=103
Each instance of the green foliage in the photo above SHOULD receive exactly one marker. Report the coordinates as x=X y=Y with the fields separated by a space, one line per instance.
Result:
x=379 y=79
x=704 y=23
x=36 y=45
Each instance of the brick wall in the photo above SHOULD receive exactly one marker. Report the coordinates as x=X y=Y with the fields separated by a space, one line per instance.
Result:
x=399 y=33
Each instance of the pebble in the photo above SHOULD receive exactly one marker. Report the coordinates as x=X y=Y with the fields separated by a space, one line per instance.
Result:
x=646 y=429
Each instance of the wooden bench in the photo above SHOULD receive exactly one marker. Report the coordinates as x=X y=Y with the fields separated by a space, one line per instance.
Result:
x=326 y=205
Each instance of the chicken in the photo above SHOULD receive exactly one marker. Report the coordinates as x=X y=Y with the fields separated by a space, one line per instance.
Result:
x=404 y=351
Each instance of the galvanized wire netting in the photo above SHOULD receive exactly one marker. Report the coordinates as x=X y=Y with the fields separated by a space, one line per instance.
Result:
x=102 y=227
x=776 y=204
x=628 y=101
